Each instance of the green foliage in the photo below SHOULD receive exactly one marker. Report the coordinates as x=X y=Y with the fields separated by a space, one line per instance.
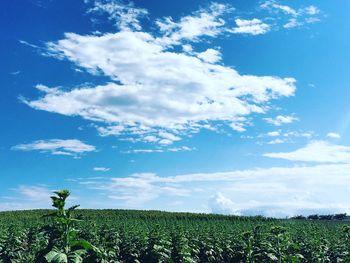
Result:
x=66 y=247
x=118 y=236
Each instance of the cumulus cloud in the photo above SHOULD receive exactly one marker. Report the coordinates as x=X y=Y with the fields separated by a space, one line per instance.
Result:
x=252 y=27
x=316 y=151
x=219 y=204
x=157 y=89
x=71 y=147
x=281 y=119
x=210 y=55
x=153 y=86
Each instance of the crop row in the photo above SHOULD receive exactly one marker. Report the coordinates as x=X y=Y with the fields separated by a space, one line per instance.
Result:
x=141 y=236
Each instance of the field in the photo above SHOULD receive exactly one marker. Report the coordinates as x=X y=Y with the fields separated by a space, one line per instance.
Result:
x=70 y=235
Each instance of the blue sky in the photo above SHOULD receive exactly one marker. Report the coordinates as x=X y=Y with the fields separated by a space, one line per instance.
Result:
x=236 y=107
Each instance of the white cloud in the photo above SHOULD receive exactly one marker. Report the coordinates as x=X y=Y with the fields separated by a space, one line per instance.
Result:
x=293 y=22
x=168 y=138
x=144 y=151
x=125 y=16
x=333 y=135
x=171 y=149
x=295 y=17
x=276 y=6
x=283 y=209
x=138 y=189
x=101 y=169
x=281 y=119
x=110 y=130
x=26 y=43
x=276 y=191
x=311 y=20
x=153 y=88
x=276 y=141
x=71 y=147
x=237 y=126
x=304 y=134
x=253 y=27
x=15 y=72
x=9 y=205
x=26 y=197
x=181 y=149
x=34 y=193
x=150 y=138
x=29 y=197
x=205 y=22
x=219 y=204
x=187 y=48
x=284 y=136
x=274 y=133
x=312 y=10
x=210 y=55
x=316 y=151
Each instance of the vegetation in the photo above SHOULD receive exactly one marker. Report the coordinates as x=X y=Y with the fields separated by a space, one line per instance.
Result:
x=70 y=235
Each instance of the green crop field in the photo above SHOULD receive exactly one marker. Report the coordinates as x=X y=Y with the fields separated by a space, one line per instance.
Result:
x=70 y=235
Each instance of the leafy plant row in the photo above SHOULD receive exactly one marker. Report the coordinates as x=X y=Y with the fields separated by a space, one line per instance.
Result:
x=71 y=235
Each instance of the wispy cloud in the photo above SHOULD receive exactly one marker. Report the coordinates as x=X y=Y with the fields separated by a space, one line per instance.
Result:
x=281 y=119
x=276 y=141
x=252 y=27
x=71 y=147
x=276 y=191
x=25 y=197
x=273 y=133
x=125 y=15
x=206 y=22
x=316 y=151
x=296 y=17
x=287 y=136
x=172 y=149
x=333 y=135
x=23 y=42
x=34 y=193
x=15 y=72
x=101 y=169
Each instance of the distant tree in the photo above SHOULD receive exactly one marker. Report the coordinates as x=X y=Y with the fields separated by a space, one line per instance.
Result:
x=313 y=217
x=339 y=216
x=325 y=217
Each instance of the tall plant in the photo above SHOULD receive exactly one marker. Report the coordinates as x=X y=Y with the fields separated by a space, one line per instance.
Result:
x=68 y=248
